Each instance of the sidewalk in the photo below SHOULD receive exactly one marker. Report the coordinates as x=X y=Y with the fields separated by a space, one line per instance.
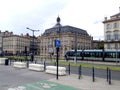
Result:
x=85 y=83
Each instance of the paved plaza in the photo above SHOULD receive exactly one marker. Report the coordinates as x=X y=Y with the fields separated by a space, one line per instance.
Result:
x=23 y=79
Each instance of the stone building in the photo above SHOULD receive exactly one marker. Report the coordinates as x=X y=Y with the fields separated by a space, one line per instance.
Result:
x=15 y=44
x=3 y=34
x=70 y=37
x=97 y=44
x=112 y=32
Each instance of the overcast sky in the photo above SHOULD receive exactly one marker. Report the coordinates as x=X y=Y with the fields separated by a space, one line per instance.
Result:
x=16 y=15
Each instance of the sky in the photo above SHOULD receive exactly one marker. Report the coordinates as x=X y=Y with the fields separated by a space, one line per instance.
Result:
x=16 y=15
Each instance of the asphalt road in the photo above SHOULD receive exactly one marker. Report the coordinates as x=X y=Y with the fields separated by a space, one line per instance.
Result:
x=115 y=75
x=11 y=77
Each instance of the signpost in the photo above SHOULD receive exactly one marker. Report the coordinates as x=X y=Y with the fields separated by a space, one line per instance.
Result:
x=57 y=45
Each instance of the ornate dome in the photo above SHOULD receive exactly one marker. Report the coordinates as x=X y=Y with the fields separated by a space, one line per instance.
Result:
x=58 y=22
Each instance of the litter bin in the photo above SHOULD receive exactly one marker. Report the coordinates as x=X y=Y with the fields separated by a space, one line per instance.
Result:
x=6 y=62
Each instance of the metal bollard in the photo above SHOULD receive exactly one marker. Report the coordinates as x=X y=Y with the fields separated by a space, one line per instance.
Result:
x=107 y=73
x=69 y=68
x=109 y=76
x=93 y=74
x=44 y=65
x=79 y=72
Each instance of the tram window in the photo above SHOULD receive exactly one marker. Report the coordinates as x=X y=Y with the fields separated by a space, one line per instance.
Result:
x=78 y=54
x=107 y=54
x=92 y=54
x=110 y=54
x=86 y=54
x=98 y=54
x=70 y=53
x=118 y=55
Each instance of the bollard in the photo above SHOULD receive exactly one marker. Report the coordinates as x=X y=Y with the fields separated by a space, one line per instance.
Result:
x=69 y=68
x=44 y=65
x=107 y=73
x=79 y=72
x=109 y=76
x=93 y=74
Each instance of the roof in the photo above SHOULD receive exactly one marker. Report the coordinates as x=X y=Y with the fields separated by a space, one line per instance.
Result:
x=116 y=15
x=65 y=29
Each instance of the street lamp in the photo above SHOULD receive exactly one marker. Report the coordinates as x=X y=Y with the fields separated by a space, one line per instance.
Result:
x=32 y=55
x=58 y=44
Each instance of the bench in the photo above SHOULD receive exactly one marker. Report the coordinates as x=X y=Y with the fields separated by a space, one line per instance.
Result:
x=53 y=70
x=19 y=64
x=36 y=67
x=2 y=61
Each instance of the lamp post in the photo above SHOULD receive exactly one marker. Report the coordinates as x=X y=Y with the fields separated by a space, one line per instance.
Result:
x=57 y=45
x=32 y=56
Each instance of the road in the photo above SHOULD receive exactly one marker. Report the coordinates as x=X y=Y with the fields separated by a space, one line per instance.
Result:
x=98 y=73
x=115 y=75
x=12 y=77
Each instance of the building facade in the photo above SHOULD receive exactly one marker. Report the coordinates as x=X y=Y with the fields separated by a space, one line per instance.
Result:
x=11 y=44
x=2 y=35
x=97 y=44
x=71 y=38
x=112 y=32
x=15 y=44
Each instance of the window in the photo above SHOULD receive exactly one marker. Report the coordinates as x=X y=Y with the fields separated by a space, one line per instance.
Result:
x=115 y=25
x=108 y=46
x=116 y=36
x=116 y=46
x=108 y=26
x=108 y=36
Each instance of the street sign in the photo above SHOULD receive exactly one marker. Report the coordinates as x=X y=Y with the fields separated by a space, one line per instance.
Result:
x=57 y=43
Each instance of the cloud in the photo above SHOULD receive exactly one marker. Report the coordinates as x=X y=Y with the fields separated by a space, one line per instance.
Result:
x=16 y=15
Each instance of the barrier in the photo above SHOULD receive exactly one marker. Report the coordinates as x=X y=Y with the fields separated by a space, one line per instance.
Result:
x=19 y=64
x=36 y=67
x=53 y=70
x=2 y=61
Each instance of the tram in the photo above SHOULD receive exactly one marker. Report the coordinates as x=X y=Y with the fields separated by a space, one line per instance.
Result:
x=96 y=55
